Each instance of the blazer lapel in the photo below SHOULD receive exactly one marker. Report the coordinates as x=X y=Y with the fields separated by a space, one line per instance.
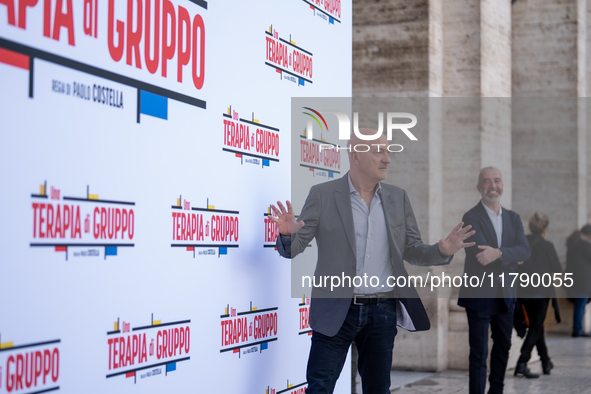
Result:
x=507 y=227
x=489 y=230
x=343 y=202
x=389 y=207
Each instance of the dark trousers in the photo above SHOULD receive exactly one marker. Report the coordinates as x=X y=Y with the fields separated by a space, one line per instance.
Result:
x=536 y=309
x=373 y=328
x=500 y=320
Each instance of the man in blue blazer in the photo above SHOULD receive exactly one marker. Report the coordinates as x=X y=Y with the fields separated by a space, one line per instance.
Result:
x=362 y=227
x=500 y=246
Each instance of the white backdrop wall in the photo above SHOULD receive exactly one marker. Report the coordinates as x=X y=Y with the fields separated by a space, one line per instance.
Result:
x=136 y=256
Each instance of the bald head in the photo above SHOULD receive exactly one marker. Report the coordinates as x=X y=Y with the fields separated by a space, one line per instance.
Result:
x=369 y=158
x=354 y=140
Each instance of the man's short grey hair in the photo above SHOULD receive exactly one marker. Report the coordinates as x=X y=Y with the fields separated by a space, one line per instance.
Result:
x=486 y=169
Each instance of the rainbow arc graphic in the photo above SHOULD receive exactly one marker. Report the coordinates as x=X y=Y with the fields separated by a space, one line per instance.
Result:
x=315 y=118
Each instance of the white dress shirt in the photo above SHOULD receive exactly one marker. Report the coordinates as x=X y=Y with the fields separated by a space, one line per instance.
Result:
x=497 y=222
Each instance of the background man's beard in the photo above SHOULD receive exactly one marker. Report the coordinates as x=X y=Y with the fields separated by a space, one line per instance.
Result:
x=491 y=200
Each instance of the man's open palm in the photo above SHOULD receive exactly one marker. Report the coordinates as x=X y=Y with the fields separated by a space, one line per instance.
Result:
x=455 y=240
x=285 y=219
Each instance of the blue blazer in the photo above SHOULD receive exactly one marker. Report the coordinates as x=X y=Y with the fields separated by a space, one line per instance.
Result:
x=514 y=247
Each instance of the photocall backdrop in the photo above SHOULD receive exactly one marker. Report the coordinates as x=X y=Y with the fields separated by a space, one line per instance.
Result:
x=142 y=143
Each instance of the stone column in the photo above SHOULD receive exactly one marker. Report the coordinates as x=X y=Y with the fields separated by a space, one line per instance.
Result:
x=397 y=53
x=476 y=131
x=550 y=150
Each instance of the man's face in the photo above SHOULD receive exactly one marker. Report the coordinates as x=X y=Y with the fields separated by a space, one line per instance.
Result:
x=491 y=186
x=373 y=164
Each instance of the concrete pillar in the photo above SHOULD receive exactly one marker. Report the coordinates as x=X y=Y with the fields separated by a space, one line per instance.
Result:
x=400 y=42
x=477 y=64
x=587 y=93
x=476 y=130
x=550 y=136
x=550 y=60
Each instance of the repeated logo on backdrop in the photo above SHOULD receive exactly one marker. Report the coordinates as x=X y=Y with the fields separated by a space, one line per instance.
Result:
x=271 y=230
x=249 y=139
x=249 y=331
x=328 y=10
x=147 y=351
x=88 y=224
x=297 y=388
x=146 y=48
x=202 y=230
x=292 y=62
x=31 y=367
x=304 y=317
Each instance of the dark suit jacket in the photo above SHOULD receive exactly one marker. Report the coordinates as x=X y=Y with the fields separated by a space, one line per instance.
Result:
x=543 y=262
x=515 y=248
x=578 y=263
x=328 y=217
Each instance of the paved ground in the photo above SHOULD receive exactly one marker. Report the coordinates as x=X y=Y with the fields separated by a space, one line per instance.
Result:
x=571 y=374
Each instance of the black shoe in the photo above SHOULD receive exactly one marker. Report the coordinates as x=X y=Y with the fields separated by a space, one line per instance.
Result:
x=522 y=370
x=583 y=334
x=547 y=366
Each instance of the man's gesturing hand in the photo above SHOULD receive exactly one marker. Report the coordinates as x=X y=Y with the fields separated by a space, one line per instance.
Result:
x=488 y=254
x=285 y=219
x=455 y=240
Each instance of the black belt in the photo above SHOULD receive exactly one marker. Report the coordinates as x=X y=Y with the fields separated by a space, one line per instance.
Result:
x=369 y=299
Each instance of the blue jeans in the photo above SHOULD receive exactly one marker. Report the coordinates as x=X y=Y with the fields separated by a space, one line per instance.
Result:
x=578 y=314
x=373 y=328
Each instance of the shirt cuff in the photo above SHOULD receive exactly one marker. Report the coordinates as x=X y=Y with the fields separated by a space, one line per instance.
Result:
x=446 y=259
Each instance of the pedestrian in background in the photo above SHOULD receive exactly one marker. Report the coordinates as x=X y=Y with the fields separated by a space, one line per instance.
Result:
x=535 y=299
x=578 y=262
x=500 y=245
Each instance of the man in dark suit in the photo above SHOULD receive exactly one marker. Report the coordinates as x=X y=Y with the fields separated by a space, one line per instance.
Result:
x=500 y=246
x=362 y=228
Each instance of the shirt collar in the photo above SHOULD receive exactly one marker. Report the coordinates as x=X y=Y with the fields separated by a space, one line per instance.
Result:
x=491 y=212
x=354 y=191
